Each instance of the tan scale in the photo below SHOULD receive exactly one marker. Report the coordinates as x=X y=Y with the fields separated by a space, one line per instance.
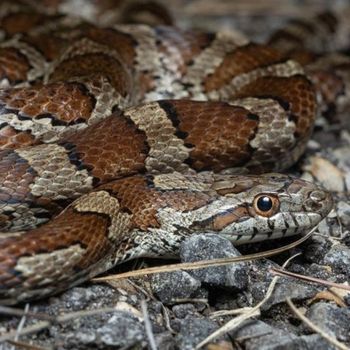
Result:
x=57 y=176
x=167 y=152
x=103 y=203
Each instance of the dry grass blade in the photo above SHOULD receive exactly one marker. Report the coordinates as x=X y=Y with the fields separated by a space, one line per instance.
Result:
x=7 y=310
x=254 y=311
x=26 y=330
x=315 y=328
x=281 y=272
x=148 y=326
x=45 y=324
x=22 y=345
x=204 y=263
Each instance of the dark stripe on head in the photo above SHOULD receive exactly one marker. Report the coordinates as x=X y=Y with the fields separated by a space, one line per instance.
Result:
x=285 y=35
x=307 y=26
x=329 y=19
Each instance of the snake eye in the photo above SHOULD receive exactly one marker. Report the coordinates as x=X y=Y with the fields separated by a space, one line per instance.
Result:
x=266 y=205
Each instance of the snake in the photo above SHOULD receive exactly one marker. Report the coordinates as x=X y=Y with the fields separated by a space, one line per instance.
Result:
x=119 y=141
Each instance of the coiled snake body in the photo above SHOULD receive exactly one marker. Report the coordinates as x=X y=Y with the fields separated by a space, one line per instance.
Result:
x=142 y=176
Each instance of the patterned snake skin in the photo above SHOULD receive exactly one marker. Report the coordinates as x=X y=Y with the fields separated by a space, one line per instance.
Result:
x=144 y=135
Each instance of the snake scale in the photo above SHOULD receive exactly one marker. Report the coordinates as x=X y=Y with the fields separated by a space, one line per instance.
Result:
x=119 y=141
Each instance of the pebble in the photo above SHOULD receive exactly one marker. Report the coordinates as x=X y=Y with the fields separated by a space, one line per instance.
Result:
x=285 y=288
x=193 y=330
x=170 y=286
x=123 y=330
x=343 y=209
x=211 y=246
x=260 y=335
x=117 y=330
x=338 y=258
x=316 y=249
x=326 y=173
x=332 y=319
x=165 y=341
x=78 y=298
x=183 y=310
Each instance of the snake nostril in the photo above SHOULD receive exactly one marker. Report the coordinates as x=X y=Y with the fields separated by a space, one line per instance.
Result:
x=317 y=196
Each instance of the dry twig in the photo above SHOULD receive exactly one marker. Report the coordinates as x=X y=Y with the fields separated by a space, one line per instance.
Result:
x=148 y=326
x=281 y=272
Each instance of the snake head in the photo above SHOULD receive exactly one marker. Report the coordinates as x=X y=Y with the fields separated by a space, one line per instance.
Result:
x=256 y=208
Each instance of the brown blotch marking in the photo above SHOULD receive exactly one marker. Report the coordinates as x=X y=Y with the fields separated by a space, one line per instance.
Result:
x=302 y=56
x=242 y=60
x=66 y=102
x=10 y=138
x=218 y=132
x=138 y=197
x=135 y=197
x=297 y=91
x=14 y=66
x=23 y=22
x=50 y=45
x=95 y=64
x=110 y=149
x=222 y=220
x=122 y=43
x=88 y=230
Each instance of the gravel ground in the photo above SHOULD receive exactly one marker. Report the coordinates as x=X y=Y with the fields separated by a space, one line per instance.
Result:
x=182 y=308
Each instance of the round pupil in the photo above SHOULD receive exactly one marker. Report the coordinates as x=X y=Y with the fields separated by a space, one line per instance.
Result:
x=264 y=203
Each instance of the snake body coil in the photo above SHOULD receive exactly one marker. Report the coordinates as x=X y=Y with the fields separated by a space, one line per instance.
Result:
x=78 y=121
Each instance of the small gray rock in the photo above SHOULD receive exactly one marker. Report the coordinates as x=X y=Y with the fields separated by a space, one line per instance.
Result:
x=81 y=298
x=165 y=341
x=338 y=257
x=78 y=298
x=120 y=330
x=343 y=209
x=170 y=286
x=123 y=330
x=316 y=249
x=183 y=310
x=285 y=288
x=332 y=319
x=259 y=335
x=193 y=331
x=315 y=341
x=211 y=246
